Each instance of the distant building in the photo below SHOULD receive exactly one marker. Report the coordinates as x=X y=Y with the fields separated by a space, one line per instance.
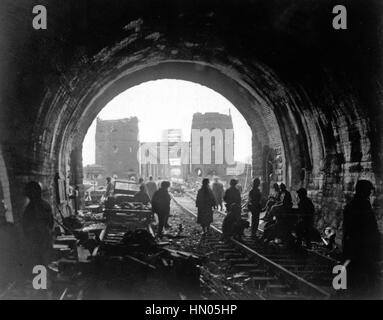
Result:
x=117 y=147
x=212 y=144
x=172 y=135
x=150 y=161
x=166 y=159
x=178 y=166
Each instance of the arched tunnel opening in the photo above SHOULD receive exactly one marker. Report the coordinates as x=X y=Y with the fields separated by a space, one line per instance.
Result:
x=311 y=97
x=300 y=148
x=144 y=111
x=128 y=132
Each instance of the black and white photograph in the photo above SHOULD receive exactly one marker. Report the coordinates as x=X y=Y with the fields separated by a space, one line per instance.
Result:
x=191 y=155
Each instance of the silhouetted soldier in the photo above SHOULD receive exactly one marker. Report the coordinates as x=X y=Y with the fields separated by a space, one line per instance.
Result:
x=151 y=187
x=142 y=196
x=141 y=182
x=306 y=218
x=361 y=243
x=281 y=226
x=74 y=193
x=161 y=205
x=159 y=181
x=233 y=225
x=274 y=198
x=254 y=206
x=287 y=201
x=218 y=192
x=109 y=188
x=108 y=195
x=232 y=195
x=205 y=203
x=37 y=224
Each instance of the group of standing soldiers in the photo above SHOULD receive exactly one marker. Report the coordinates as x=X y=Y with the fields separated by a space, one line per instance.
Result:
x=361 y=237
x=209 y=199
x=233 y=225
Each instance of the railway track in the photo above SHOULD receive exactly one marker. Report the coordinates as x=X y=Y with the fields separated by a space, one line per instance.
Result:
x=249 y=270
x=318 y=259
x=274 y=272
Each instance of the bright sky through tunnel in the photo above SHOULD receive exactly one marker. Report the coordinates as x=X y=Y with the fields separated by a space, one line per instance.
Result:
x=169 y=104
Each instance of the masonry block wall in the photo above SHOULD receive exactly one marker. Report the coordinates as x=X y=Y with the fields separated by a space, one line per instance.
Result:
x=117 y=147
x=213 y=121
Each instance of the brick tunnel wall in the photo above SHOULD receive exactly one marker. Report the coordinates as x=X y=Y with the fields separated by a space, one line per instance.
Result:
x=318 y=108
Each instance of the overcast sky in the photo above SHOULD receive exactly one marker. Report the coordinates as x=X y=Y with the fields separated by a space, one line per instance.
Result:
x=169 y=104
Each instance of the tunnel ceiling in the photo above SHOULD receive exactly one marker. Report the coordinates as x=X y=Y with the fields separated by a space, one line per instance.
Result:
x=300 y=84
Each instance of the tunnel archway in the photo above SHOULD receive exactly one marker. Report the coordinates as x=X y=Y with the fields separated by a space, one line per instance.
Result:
x=324 y=106
x=256 y=112
x=277 y=121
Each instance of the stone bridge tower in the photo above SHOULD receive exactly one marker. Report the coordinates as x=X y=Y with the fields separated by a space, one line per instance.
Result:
x=117 y=146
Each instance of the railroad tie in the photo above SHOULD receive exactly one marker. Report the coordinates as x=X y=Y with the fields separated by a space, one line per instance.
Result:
x=245 y=266
x=276 y=288
x=235 y=261
x=229 y=255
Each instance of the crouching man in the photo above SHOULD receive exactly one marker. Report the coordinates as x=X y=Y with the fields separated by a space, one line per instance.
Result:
x=233 y=225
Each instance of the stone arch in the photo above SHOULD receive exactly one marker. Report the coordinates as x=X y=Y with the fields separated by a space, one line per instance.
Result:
x=296 y=75
x=255 y=109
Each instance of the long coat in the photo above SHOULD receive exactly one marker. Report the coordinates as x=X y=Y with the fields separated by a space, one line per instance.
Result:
x=232 y=196
x=255 y=198
x=218 y=191
x=37 y=224
x=151 y=187
x=142 y=196
x=361 y=237
x=205 y=202
x=361 y=245
x=161 y=202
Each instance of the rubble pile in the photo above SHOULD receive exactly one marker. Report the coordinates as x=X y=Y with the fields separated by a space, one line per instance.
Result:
x=134 y=258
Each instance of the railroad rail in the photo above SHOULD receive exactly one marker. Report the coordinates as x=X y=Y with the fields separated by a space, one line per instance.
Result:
x=280 y=273
x=320 y=256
